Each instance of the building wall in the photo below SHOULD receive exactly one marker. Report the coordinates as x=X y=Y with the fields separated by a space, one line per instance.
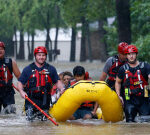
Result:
x=63 y=46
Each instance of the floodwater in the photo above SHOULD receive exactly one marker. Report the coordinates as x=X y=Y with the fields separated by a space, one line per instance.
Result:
x=16 y=124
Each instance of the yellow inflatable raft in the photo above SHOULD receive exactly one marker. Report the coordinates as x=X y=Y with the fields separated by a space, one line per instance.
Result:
x=82 y=91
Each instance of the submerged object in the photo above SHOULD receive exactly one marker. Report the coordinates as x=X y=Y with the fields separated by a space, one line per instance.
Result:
x=141 y=119
x=85 y=90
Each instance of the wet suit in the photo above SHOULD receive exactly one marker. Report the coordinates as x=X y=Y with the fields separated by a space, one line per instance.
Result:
x=35 y=94
x=136 y=103
x=111 y=68
x=6 y=90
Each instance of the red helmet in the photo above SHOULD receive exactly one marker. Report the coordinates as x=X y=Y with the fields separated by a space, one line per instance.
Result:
x=121 y=47
x=131 y=49
x=40 y=49
x=2 y=44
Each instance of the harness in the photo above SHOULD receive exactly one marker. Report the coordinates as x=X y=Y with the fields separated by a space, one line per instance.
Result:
x=6 y=72
x=87 y=104
x=116 y=64
x=39 y=83
x=135 y=82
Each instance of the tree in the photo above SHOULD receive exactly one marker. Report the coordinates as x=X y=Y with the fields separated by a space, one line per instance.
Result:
x=6 y=26
x=73 y=44
x=140 y=10
x=123 y=20
x=85 y=12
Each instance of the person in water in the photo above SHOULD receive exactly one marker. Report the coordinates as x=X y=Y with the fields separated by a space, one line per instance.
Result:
x=38 y=77
x=8 y=67
x=134 y=77
x=85 y=110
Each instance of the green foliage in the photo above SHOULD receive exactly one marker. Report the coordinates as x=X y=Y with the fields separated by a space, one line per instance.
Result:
x=100 y=9
x=143 y=45
x=6 y=19
x=140 y=19
x=111 y=39
x=92 y=10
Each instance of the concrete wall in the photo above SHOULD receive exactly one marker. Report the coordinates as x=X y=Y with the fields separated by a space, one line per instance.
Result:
x=63 y=46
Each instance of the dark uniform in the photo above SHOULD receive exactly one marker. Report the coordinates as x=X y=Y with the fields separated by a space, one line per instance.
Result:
x=134 y=81
x=38 y=83
x=111 y=68
x=6 y=90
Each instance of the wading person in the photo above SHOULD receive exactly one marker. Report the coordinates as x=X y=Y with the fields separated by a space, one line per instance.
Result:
x=7 y=68
x=111 y=68
x=134 y=77
x=38 y=78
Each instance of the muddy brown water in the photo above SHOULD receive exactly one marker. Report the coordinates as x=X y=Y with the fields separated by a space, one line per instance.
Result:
x=16 y=124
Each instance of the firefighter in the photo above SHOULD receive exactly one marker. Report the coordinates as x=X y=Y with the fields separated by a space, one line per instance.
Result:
x=39 y=77
x=111 y=68
x=7 y=68
x=134 y=77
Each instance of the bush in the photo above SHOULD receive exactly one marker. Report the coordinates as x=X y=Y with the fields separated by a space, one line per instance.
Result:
x=111 y=39
x=143 y=45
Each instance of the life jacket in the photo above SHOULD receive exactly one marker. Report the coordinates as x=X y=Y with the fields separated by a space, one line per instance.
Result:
x=116 y=64
x=39 y=82
x=6 y=72
x=135 y=82
x=87 y=104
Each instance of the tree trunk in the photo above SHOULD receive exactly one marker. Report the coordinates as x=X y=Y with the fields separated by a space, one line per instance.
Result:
x=28 y=44
x=48 y=42
x=73 y=45
x=123 y=20
x=15 y=43
x=89 y=42
x=32 y=46
x=21 y=49
x=55 y=45
x=57 y=30
x=83 y=41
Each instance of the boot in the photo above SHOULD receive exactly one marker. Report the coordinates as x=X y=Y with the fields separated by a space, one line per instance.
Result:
x=9 y=109
x=29 y=114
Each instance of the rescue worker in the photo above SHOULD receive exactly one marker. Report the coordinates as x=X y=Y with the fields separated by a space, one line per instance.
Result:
x=38 y=78
x=134 y=77
x=86 y=108
x=111 y=68
x=7 y=68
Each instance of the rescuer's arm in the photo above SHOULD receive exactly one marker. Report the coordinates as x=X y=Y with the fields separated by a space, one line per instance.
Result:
x=16 y=70
x=60 y=86
x=118 y=88
x=103 y=76
x=21 y=91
